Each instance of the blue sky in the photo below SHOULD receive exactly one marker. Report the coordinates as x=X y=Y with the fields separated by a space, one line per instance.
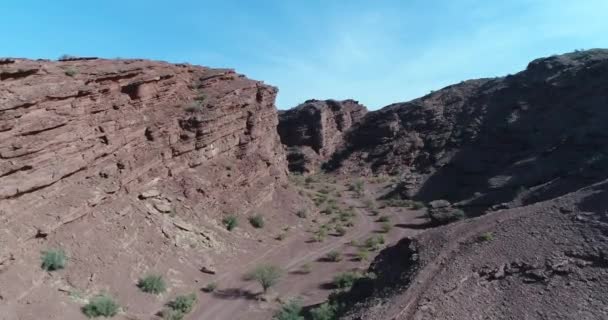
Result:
x=375 y=51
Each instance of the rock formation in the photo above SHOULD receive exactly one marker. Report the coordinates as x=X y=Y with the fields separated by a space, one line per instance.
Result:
x=529 y=152
x=112 y=158
x=313 y=130
x=526 y=137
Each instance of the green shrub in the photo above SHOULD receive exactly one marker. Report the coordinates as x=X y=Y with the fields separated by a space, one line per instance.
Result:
x=319 y=235
x=333 y=256
x=183 y=303
x=362 y=254
x=373 y=243
x=193 y=106
x=53 y=260
x=386 y=227
x=257 y=221
x=340 y=231
x=152 y=284
x=210 y=287
x=325 y=311
x=357 y=187
x=230 y=222
x=100 y=306
x=266 y=275
x=306 y=268
x=418 y=205
x=486 y=236
x=346 y=280
x=70 y=72
x=289 y=311
x=169 y=314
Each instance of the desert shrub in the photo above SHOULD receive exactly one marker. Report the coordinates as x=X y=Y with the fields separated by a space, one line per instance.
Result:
x=346 y=280
x=193 y=106
x=386 y=227
x=289 y=311
x=152 y=284
x=210 y=287
x=373 y=243
x=266 y=275
x=375 y=213
x=53 y=260
x=309 y=180
x=70 y=72
x=306 y=268
x=326 y=311
x=340 y=231
x=183 y=303
x=369 y=203
x=486 y=236
x=384 y=219
x=320 y=234
x=357 y=187
x=333 y=256
x=230 y=222
x=446 y=216
x=362 y=254
x=257 y=221
x=417 y=205
x=280 y=236
x=170 y=314
x=100 y=306
x=301 y=213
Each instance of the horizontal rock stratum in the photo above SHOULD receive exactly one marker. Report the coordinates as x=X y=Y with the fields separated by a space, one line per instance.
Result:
x=121 y=162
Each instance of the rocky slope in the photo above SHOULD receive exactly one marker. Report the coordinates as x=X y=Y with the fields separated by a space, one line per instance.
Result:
x=528 y=137
x=529 y=151
x=313 y=130
x=126 y=165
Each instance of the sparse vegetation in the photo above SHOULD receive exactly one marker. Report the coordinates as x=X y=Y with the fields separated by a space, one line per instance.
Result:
x=266 y=275
x=210 y=287
x=169 y=314
x=193 y=106
x=340 y=231
x=306 y=268
x=183 y=303
x=152 y=284
x=362 y=254
x=257 y=221
x=346 y=280
x=230 y=222
x=289 y=311
x=486 y=236
x=357 y=187
x=326 y=311
x=100 y=306
x=374 y=243
x=280 y=236
x=386 y=227
x=333 y=256
x=70 y=72
x=53 y=260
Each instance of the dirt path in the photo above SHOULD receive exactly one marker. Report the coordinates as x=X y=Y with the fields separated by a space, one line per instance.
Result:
x=237 y=299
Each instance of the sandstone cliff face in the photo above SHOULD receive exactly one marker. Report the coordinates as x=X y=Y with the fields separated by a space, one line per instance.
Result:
x=313 y=130
x=110 y=158
x=531 y=136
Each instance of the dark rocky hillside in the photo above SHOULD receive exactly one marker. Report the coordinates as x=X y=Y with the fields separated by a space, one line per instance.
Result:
x=527 y=137
x=531 y=148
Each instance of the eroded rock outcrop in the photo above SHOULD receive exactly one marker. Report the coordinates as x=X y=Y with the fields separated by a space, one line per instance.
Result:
x=313 y=130
x=526 y=137
x=109 y=159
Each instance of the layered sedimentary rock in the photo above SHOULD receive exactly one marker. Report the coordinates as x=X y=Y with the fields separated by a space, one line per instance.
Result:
x=108 y=159
x=313 y=130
